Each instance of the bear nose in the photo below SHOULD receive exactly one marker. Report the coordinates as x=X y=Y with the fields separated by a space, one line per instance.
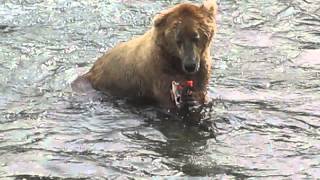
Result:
x=190 y=67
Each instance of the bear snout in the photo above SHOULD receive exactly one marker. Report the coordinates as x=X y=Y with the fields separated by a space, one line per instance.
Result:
x=191 y=67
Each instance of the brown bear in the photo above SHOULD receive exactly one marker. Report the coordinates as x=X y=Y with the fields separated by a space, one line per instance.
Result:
x=176 y=48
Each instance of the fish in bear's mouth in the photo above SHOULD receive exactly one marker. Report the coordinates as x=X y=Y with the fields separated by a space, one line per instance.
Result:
x=181 y=93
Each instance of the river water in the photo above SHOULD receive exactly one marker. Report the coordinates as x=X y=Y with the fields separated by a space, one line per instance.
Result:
x=265 y=93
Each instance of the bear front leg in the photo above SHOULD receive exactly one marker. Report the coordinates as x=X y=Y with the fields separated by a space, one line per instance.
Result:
x=200 y=96
x=162 y=94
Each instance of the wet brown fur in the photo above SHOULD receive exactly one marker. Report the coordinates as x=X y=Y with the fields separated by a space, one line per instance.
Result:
x=145 y=66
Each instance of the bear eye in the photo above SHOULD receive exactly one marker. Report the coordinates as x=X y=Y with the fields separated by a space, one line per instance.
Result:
x=179 y=42
x=196 y=38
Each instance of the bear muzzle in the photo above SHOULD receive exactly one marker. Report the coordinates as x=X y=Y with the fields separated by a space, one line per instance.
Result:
x=190 y=65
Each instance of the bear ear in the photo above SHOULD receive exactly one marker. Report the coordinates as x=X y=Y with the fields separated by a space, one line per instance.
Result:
x=210 y=6
x=159 y=20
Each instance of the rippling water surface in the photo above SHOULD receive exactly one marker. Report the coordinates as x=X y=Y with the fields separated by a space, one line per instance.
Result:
x=265 y=88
